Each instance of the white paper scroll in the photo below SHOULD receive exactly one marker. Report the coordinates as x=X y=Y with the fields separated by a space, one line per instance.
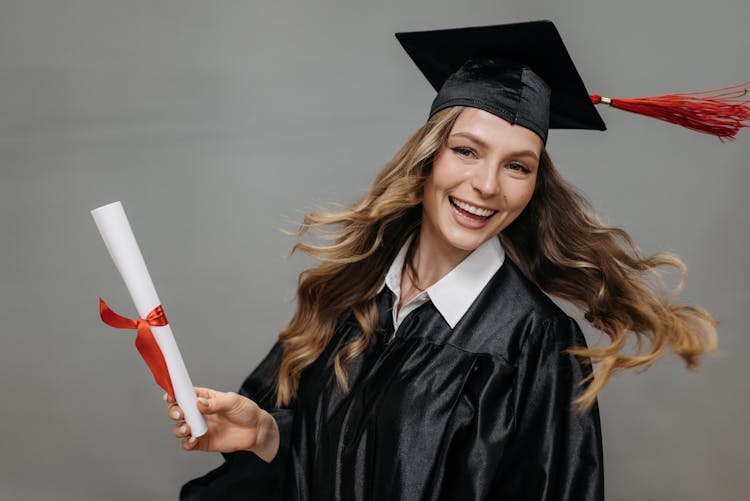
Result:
x=120 y=241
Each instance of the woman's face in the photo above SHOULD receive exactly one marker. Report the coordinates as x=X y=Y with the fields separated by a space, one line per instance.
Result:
x=480 y=182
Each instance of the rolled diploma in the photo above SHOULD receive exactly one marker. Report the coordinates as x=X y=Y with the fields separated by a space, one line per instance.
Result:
x=120 y=241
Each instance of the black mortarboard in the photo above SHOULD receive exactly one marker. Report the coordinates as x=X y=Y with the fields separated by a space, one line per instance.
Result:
x=521 y=72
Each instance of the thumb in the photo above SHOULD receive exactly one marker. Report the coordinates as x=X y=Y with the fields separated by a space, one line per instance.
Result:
x=218 y=402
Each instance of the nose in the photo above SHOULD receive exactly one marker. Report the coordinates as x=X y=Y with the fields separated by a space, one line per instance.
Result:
x=485 y=179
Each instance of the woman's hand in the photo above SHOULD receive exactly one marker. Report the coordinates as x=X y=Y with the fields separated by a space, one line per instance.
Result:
x=235 y=423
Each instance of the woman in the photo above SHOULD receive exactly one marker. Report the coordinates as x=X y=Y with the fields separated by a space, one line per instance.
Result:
x=425 y=360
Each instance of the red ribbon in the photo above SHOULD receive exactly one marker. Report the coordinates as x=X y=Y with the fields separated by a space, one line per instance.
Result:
x=144 y=340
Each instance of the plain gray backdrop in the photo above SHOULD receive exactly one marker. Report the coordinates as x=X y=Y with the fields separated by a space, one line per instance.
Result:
x=219 y=123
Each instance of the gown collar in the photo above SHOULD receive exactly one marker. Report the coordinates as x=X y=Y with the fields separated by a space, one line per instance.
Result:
x=453 y=294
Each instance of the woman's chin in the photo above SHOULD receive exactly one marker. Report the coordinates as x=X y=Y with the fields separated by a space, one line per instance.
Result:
x=468 y=241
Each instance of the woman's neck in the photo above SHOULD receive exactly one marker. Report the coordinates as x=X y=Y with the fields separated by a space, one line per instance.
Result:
x=432 y=259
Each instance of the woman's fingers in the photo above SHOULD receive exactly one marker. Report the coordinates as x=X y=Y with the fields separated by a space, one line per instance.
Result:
x=189 y=443
x=174 y=412
x=181 y=430
x=230 y=408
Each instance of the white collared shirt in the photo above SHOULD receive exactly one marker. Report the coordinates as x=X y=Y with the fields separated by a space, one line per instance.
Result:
x=453 y=294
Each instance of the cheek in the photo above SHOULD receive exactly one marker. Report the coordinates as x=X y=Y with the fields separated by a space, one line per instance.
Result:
x=520 y=197
x=446 y=172
x=435 y=185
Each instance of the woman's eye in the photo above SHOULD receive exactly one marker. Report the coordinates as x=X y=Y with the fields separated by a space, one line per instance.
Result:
x=519 y=167
x=464 y=152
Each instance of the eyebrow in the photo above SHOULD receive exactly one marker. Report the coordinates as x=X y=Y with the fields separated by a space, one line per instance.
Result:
x=483 y=144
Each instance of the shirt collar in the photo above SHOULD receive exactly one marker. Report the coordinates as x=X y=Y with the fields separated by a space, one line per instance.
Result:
x=453 y=294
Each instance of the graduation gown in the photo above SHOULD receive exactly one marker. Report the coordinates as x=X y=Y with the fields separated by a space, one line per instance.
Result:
x=478 y=412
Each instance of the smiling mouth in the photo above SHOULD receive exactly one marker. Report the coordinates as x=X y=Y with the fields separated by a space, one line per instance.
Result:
x=471 y=211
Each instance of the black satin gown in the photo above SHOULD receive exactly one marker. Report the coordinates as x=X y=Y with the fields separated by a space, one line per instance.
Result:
x=478 y=412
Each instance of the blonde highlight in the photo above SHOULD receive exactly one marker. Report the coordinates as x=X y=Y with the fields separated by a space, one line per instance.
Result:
x=599 y=269
x=596 y=267
x=364 y=242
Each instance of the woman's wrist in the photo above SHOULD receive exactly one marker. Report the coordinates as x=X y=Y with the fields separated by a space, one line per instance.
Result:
x=267 y=438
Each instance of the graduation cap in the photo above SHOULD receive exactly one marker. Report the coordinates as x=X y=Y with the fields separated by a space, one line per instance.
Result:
x=523 y=73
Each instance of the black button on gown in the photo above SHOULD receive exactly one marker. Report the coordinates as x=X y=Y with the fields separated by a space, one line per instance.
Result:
x=478 y=412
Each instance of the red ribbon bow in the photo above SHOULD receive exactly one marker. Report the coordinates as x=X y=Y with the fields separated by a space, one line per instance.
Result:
x=144 y=340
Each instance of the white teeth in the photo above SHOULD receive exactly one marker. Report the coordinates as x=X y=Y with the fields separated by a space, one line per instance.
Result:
x=474 y=210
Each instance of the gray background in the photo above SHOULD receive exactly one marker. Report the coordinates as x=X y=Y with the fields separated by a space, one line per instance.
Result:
x=219 y=123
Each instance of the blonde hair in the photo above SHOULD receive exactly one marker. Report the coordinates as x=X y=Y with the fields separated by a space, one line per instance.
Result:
x=556 y=242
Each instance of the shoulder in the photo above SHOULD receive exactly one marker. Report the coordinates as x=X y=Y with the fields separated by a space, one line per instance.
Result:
x=512 y=312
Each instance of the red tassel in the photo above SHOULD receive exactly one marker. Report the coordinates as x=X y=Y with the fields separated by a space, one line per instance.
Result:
x=711 y=111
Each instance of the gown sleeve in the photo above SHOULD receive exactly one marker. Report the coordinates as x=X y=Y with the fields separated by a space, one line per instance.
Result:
x=520 y=439
x=244 y=475
x=554 y=452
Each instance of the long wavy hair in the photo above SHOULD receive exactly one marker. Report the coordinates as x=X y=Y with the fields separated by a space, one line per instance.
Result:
x=557 y=242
